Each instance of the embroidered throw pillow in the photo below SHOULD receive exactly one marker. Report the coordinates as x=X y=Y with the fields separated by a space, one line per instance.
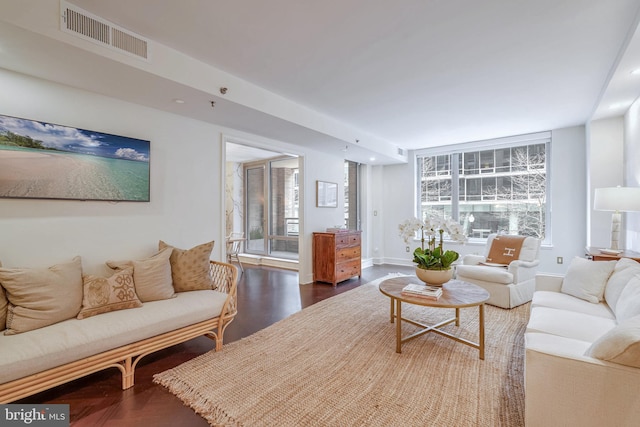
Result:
x=39 y=297
x=190 y=268
x=102 y=295
x=504 y=249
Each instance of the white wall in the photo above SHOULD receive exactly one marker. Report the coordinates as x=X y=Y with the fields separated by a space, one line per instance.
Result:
x=605 y=148
x=631 y=155
x=568 y=201
x=187 y=185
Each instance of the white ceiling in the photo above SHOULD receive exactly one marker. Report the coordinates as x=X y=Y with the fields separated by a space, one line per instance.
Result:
x=414 y=73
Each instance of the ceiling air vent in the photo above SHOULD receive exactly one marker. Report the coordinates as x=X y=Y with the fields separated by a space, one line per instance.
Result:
x=81 y=23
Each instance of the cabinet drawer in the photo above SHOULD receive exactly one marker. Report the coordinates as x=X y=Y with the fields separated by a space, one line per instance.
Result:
x=348 y=240
x=348 y=269
x=345 y=254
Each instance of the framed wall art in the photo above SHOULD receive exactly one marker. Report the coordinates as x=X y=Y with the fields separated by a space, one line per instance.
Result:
x=40 y=160
x=326 y=194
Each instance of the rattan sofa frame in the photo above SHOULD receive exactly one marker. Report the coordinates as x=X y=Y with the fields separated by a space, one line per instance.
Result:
x=126 y=358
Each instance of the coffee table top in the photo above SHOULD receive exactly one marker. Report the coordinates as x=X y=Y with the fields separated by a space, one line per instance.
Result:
x=455 y=293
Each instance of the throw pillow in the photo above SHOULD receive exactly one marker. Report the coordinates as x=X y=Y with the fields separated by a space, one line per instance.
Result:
x=151 y=276
x=190 y=268
x=623 y=272
x=39 y=297
x=102 y=295
x=504 y=249
x=620 y=345
x=587 y=279
x=629 y=302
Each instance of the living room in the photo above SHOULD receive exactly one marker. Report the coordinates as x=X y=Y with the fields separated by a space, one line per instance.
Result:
x=50 y=76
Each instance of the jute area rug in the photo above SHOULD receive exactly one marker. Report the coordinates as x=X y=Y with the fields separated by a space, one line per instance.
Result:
x=334 y=364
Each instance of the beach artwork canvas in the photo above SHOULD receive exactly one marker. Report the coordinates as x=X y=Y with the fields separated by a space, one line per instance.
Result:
x=48 y=161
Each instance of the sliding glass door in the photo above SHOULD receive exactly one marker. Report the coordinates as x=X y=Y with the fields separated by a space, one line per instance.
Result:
x=272 y=207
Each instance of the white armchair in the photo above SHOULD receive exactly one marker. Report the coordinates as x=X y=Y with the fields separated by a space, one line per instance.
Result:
x=509 y=285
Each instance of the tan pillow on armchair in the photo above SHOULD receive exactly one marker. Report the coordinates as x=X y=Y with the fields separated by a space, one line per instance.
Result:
x=505 y=248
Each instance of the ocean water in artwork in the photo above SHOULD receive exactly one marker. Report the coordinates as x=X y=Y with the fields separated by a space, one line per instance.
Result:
x=38 y=173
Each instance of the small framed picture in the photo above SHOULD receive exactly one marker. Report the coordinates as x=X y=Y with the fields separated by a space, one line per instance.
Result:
x=326 y=194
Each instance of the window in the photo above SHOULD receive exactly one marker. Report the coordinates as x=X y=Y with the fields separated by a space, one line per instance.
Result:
x=490 y=186
x=351 y=202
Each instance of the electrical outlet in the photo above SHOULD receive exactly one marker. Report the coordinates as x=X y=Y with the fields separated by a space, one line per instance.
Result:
x=559 y=260
x=407 y=249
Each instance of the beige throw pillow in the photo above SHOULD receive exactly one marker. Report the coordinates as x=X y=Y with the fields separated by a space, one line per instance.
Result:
x=102 y=295
x=586 y=279
x=40 y=297
x=151 y=276
x=190 y=268
x=620 y=345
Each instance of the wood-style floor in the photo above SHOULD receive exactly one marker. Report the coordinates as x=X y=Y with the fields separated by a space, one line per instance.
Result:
x=265 y=295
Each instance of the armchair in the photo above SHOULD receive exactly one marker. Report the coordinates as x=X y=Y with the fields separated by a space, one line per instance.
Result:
x=507 y=270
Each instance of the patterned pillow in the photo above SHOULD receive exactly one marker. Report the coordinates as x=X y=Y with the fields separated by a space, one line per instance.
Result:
x=39 y=297
x=190 y=268
x=151 y=276
x=102 y=295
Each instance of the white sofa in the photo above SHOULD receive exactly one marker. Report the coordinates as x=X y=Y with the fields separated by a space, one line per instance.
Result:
x=111 y=328
x=508 y=286
x=582 y=344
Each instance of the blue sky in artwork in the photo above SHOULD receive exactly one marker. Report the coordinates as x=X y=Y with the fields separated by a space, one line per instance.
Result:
x=78 y=140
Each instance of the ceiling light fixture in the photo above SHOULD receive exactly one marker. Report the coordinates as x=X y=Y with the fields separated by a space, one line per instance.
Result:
x=178 y=101
x=636 y=72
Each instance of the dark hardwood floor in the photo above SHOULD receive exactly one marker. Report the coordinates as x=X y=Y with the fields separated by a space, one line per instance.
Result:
x=265 y=295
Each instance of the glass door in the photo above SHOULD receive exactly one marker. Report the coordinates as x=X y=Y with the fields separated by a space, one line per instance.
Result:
x=272 y=207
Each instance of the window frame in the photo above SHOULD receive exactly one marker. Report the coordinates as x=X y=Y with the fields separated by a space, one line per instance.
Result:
x=468 y=158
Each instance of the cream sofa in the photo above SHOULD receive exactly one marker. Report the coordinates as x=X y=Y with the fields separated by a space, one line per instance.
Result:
x=582 y=344
x=108 y=332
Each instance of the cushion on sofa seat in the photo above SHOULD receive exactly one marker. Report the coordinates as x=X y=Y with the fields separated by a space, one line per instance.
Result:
x=102 y=295
x=587 y=279
x=73 y=339
x=624 y=270
x=567 y=302
x=555 y=345
x=41 y=296
x=619 y=345
x=569 y=324
x=628 y=305
x=190 y=268
x=151 y=276
x=486 y=273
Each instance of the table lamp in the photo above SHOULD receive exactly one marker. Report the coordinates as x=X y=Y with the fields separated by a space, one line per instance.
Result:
x=617 y=199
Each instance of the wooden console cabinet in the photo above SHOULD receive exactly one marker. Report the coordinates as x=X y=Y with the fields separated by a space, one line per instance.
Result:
x=336 y=256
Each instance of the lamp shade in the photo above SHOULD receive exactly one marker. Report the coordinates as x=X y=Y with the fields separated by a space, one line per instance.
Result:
x=619 y=199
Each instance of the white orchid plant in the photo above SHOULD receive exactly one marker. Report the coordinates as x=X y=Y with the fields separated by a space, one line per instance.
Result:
x=431 y=229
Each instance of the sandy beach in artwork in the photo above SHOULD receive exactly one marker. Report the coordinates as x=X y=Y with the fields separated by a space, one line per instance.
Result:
x=50 y=174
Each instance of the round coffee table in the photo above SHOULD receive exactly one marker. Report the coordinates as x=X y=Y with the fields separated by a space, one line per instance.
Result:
x=455 y=294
